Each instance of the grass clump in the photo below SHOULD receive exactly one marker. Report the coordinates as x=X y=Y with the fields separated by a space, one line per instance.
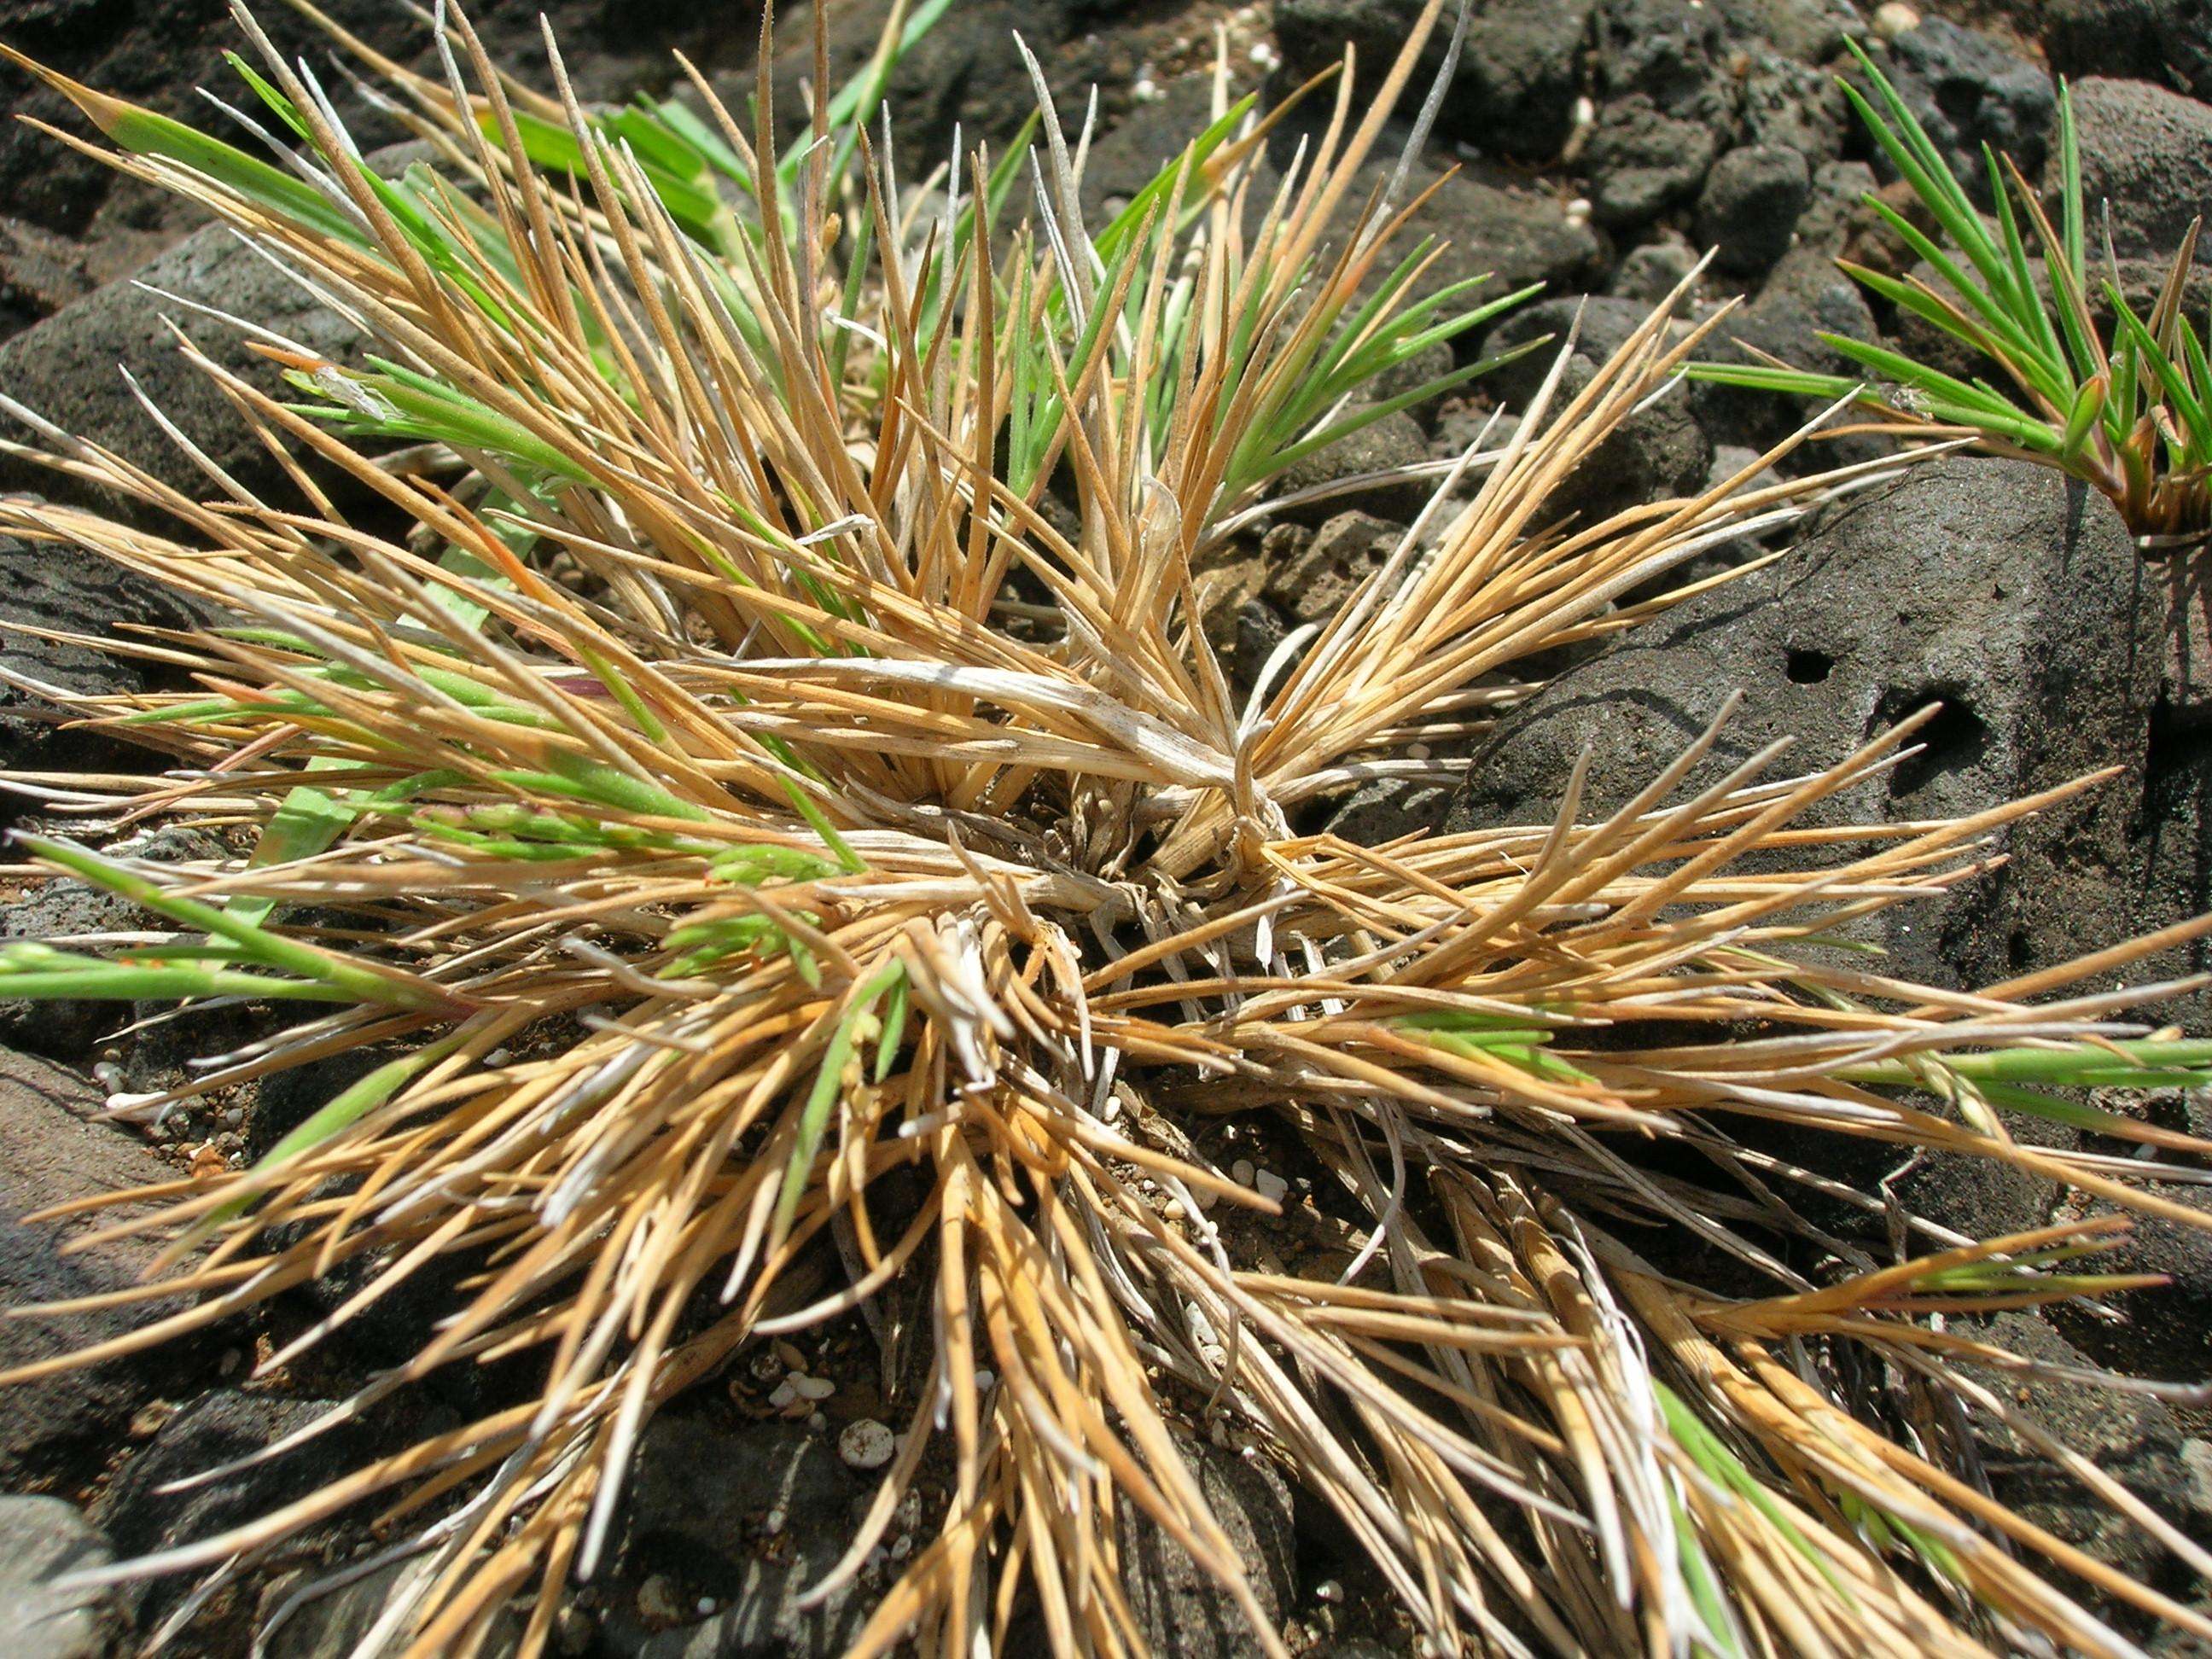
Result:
x=780 y=752
x=2123 y=410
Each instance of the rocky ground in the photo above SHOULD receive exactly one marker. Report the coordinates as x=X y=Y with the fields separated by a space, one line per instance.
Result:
x=1599 y=143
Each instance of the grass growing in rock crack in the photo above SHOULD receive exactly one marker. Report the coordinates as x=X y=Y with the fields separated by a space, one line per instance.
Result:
x=749 y=785
x=2128 y=414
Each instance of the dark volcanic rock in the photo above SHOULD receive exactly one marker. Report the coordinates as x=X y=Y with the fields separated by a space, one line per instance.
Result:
x=2136 y=1441
x=1515 y=234
x=1396 y=440
x=1794 y=103
x=55 y=1151
x=1519 y=68
x=1643 y=161
x=1967 y=89
x=2164 y=40
x=62 y=589
x=1179 y=1609
x=40 y=273
x=1750 y=205
x=1315 y=584
x=1810 y=31
x=1601 y=324
x=2147 y=159
x=1804 y=297
x=748 y=1518
x=1672 y=51
x=1993 y=587
x=68 y=906
x=66 y=368
x=159 y=52
x=144 y=1509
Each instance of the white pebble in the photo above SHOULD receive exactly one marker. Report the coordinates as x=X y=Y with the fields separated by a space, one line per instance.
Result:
x=1894 y=18
x=1147 y=91
x=1265 y=57
x=1240 y=1172
x=816 y=1422
x=1328 y=1590
x=813 y=1387
x=785 y=1392
x=986 y=1381
x=866 y=1444
x=706 y=1606
x=775 y=1521
x=901 y=1546
x=1270 y=1186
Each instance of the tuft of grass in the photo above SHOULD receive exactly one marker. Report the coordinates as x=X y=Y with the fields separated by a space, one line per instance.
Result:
x=784 y=752
x=2124 y=410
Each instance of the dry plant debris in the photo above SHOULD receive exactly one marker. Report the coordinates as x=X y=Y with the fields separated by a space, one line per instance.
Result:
x=779 y=752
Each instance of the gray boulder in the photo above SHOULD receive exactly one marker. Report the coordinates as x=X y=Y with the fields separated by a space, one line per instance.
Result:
x=143 y=1512
x=1316 y=582
x=1994 y=588
x=68 y=368
x=43 y=1539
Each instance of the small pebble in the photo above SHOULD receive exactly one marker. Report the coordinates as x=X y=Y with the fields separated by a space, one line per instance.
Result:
x=1270 y=1186
x=1893 y=19
x=866 y=1444
x=788 y=1353
x=784 y=1395
x=775 y=1521
x=573 y=1631
x=1240 y=1172
x=986 y=1381
x=706 y=1606
x=813 y=1387
x=1328 y=1590
x=901 y=1546
x=656 y=1601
